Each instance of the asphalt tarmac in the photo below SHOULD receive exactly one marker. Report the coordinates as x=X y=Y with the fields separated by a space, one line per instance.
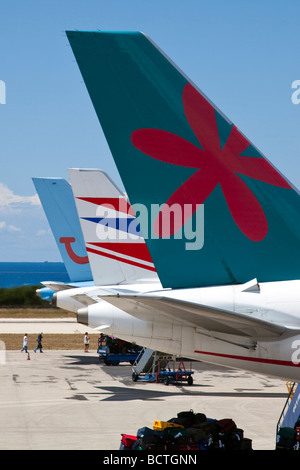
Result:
x=68 y=400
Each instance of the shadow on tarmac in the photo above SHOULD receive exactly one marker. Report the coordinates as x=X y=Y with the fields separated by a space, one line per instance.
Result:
x=130 y=392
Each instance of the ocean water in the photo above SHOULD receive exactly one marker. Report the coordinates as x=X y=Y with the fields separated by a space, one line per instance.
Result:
x=31 y=274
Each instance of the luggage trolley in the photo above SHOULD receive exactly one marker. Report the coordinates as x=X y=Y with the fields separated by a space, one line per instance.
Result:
x=114 y=351
x=154 y=366
x=176 y=375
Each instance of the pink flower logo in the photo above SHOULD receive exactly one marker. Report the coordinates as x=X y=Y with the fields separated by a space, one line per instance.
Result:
x=215 y=166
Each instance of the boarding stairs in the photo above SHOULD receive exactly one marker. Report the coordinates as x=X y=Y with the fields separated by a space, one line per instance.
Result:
x=148 y=363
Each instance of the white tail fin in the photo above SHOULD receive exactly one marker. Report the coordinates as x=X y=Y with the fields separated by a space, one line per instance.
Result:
x=116 y=250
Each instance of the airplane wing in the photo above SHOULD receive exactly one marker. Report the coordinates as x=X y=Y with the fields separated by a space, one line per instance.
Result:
x=84 y=299
x=200 y=316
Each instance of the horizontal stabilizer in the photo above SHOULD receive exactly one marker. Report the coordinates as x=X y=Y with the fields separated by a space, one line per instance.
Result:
x=57 y=286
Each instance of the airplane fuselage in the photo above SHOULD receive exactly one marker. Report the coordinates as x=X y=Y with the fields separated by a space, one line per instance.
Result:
x=275 y=302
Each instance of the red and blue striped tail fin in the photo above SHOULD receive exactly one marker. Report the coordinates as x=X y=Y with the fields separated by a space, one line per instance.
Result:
x=116 y=249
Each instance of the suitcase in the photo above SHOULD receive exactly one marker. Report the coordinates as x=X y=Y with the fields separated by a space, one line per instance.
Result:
x=232 y=440
x=188 y=447
x=227 y=425
x=197 y=435
x=127 y=441
x=186 y=417
x=199 y=418
x=239 y=433
x=287 y=437
x=246 y=444
x=180 y=421
x=209 y=427
x=176 y=436
x=161 y=425
x=149 y=436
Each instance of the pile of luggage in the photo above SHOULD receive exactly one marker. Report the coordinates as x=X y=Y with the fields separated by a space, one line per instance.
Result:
x=188 y=431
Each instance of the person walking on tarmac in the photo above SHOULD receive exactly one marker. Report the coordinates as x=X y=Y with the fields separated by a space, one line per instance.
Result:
x=39 y=341
x=25 y=343
x=86 y=342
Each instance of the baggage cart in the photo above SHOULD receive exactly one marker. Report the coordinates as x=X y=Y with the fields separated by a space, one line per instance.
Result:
x=113 y=351
x=161 y=371
x=114 y=359
x=176 y=375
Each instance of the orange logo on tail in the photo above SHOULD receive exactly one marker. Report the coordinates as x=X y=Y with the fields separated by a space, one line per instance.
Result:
x=77 y=259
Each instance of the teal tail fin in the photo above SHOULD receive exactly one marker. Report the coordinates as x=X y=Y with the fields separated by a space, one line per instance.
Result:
x=176 y=152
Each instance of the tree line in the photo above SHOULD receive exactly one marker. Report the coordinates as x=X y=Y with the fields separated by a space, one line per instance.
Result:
x=23 y=296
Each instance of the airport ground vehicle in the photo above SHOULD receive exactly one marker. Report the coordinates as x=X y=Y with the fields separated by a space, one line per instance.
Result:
x=155 y=366
x=113 y=351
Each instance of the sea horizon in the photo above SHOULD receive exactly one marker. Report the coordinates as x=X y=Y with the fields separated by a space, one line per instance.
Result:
x=27 y=273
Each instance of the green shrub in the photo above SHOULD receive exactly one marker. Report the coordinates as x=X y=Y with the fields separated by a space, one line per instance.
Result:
x=24 y=296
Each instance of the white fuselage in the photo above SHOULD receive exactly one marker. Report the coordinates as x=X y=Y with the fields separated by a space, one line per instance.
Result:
x=276 y=302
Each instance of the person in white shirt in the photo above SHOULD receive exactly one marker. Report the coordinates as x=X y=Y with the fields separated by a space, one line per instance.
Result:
x=25 y=343
x=86 y=342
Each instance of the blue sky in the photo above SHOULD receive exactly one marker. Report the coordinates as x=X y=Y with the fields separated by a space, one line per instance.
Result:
x=243 y=55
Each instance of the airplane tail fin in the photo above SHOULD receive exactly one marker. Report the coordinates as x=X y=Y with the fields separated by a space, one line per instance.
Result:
x=115 y=247
x=58 y=203
x=176 y=152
